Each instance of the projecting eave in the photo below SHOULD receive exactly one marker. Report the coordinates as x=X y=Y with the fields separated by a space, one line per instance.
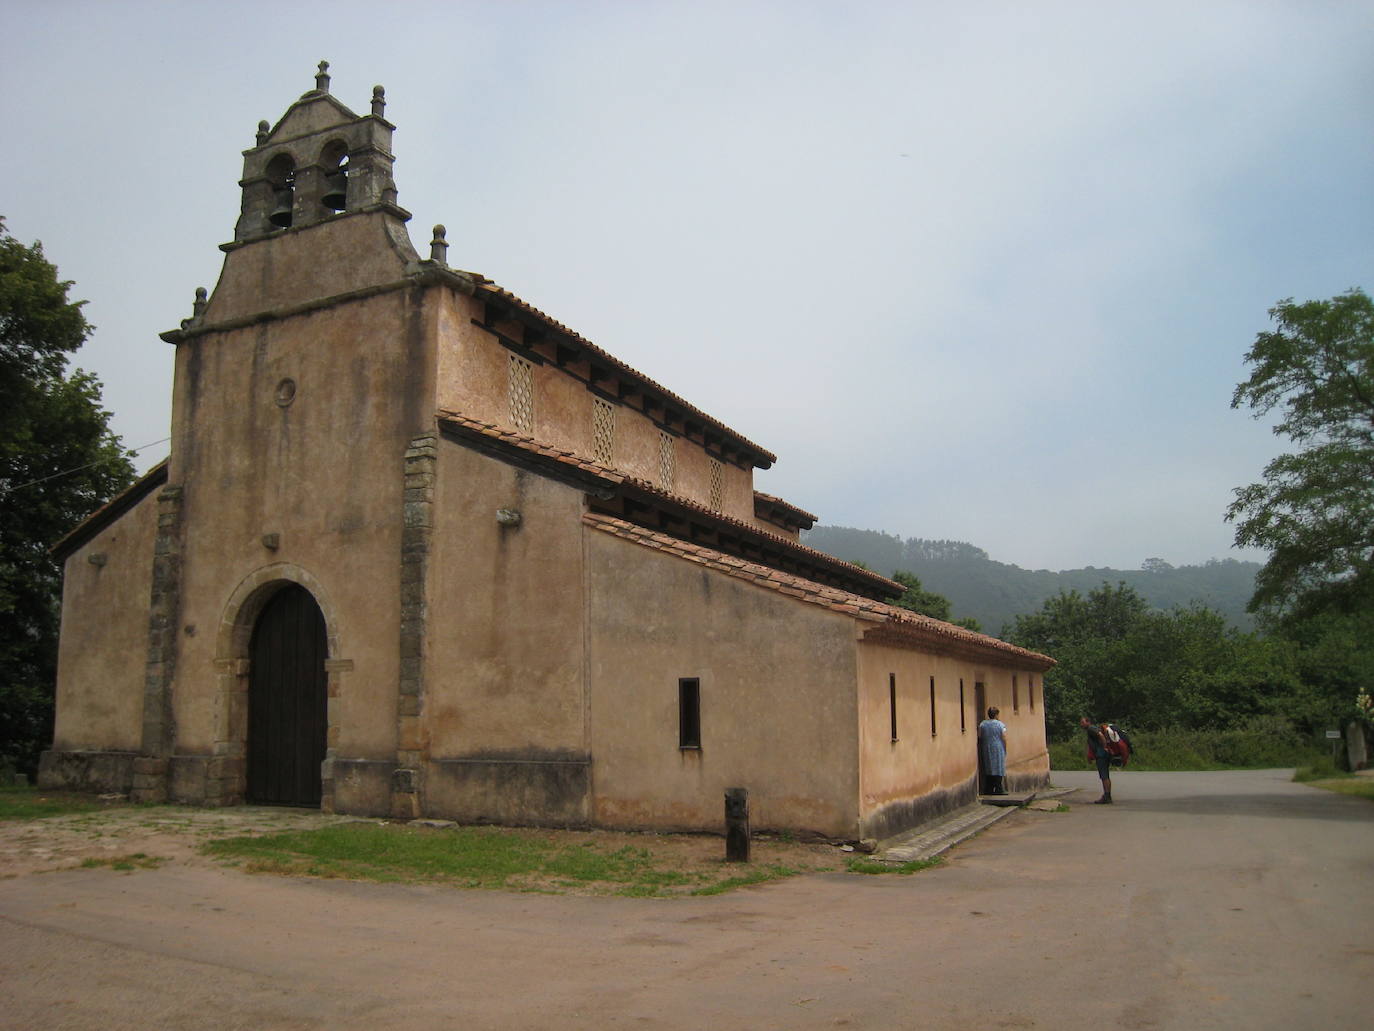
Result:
x=110 y=512
x=544 y=339
x=612 y=492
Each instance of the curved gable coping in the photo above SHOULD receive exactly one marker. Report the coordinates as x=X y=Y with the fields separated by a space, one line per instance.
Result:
x=425 y=273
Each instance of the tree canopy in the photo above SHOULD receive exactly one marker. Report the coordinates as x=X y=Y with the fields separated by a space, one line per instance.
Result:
x=58 y=463
x=1121 y=660
x=1314 y=510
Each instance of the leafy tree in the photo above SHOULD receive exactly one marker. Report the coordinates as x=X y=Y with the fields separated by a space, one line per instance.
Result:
x=58 y=463
x=927 y=603
x=1119 y=659
x=1314 y=511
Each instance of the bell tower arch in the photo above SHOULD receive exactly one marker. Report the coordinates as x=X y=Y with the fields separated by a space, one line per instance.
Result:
x=319 y=161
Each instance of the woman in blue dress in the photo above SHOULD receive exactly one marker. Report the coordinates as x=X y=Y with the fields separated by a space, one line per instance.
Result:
x=992 y=742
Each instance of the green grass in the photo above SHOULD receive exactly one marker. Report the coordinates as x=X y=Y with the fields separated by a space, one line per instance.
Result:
x=478 y=857
x=1261 y=743
x=1321 y=768
x=862 y=864
x=29 y=803
x=133 y=861
x=1360 y=787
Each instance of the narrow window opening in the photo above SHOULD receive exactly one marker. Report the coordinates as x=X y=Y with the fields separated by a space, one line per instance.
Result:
x=281 y=173
x=932 y=706
x=334 y=165
x=1030 y=687
x=963 y=716
x=1015 y=695
x=717 y=485
x=689 y=712
x=892 y=703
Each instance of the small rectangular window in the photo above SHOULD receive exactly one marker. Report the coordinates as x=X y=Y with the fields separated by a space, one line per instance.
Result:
x=892 y=703
x=1015 y=695
x=932 y=706
x=689 y=713
x=963 y=716
x=717 y=485
x=1030 y=686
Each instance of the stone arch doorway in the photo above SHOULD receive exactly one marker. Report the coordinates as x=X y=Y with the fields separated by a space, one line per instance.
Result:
x=287 y=700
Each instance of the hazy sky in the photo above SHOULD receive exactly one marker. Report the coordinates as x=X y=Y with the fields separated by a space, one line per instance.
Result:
x=982 y=271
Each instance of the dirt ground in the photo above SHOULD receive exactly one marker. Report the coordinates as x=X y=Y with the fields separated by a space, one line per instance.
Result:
x=1234 y=900
x=174 y=834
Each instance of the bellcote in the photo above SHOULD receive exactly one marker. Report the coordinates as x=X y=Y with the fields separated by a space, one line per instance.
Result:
x=320 y=161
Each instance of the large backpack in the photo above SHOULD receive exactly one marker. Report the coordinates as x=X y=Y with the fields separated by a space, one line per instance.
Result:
x=1118 y=744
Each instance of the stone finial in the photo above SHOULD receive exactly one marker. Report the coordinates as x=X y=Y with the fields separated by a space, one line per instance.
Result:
x=438 y=247
x=322 y=77
x=263 y=129
x=378 y=101
x=198 y=307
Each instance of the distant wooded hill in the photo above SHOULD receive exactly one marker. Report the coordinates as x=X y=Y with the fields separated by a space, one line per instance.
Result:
x=995 y=593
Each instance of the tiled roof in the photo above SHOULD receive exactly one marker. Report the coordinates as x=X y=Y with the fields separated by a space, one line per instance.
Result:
x=110 y=511
x=799 y=515
x=571 y=460
x=490 y=288
x=529 y=445
x=902 y=623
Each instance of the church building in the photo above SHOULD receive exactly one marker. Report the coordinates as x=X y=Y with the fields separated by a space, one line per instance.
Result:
x=420 y=549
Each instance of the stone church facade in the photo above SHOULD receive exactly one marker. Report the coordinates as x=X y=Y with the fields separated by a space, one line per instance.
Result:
x=421 y=549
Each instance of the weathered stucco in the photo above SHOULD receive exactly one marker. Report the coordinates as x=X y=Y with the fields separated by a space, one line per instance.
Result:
x=925 y=771
x=102 y=653
x=777 y=697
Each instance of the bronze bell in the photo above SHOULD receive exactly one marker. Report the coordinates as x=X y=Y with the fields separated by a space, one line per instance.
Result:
x=335 y=190
x=280 y=214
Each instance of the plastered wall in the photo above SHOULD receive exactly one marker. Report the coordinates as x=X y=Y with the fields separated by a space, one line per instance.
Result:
x=103 y=650
x=932 y=768
x=777 y=697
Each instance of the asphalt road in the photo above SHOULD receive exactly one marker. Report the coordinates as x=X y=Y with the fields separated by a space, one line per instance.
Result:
x=1215 y=900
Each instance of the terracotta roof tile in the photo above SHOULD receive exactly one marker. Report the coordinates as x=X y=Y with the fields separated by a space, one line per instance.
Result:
x=768 y=499
x=897 y=623
x=529 y=444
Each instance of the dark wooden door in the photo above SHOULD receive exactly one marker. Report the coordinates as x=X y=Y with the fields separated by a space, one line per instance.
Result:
x=286 y=701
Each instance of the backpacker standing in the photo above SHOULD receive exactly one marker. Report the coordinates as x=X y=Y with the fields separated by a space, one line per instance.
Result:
x=1102 y=756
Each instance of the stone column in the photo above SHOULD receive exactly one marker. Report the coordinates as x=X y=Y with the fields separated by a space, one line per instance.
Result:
x=164 y=611
x=417 y=527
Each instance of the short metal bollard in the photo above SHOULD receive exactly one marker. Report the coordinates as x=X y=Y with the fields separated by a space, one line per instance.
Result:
x=736 y=825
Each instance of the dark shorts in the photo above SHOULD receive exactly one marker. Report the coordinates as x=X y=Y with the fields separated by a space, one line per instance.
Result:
x=1104 y=766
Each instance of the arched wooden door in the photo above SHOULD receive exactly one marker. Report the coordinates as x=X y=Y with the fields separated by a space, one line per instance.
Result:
x=286 y=700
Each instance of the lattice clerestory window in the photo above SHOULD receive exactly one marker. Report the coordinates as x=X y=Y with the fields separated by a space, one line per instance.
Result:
x=667 y=461
x=521 y=394
x=717 y=485
x=603 y=431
